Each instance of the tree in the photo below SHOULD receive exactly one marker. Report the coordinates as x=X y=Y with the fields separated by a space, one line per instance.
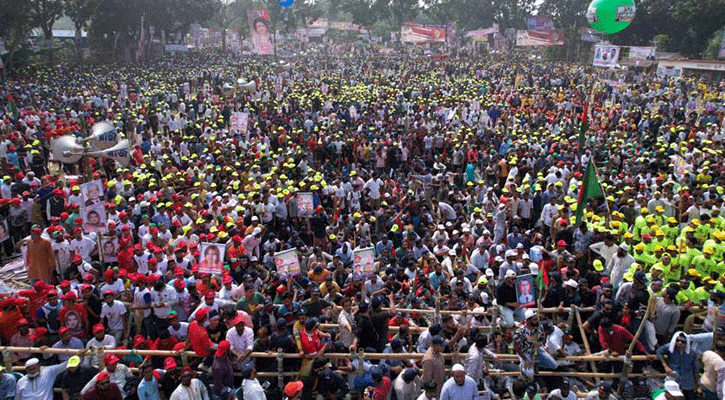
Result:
x=80 y=12
x=226 y=15
x=43 y=14
x=14 y=25
x=398 y=11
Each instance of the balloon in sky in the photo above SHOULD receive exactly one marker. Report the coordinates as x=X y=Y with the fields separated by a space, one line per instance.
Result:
x=610 y=16
x=285 y=3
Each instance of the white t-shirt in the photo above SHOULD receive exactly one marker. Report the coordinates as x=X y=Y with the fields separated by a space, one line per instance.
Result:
x=182 y=333
x=114 y=313
x=556 y=393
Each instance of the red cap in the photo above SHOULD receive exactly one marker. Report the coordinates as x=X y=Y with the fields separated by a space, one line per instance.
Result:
x=70 y=296
x=292 y=388
x=98 y=328
x=178 y=271
x=108 y=291
x=38 y=333
x=109 y=273
x=86 y=287
x=63 y=330
x=77 y=230
x=237 y=239
x=222 y=348
x=23 y=321
x=281 y=289
x=209 y=294
x=153 y=261
x=103 y=375
x=169 y=363
x=138 y=340
x=88 y=278
x=64 y=283
x=179 y=283
x=39 y=285
x=238 y=319
x=110 y=359
x=561 y=243
x=201 y=314
x=226 y=279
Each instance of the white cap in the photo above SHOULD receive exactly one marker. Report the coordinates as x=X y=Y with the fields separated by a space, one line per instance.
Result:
x=534 y=268
x=529 y=313
x=478 y=221
x=255 y=218
x=441 y=227
x=498 y=258
x=257 y=231
x=489 y=272
x=571 y=283
x=31 y=362
x=624 y=246
x=510 y=274
x=466 y=229
x=459 y=367
x=451 y=252
x=672 y=387
x=520 y=246
x=510 y=253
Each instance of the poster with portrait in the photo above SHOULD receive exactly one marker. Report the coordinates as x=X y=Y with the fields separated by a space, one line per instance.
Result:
x=4 y=233
x=305 y=204
x=605 y=55
x=109 y=249
x=260 y=31
x=526 y=290
x=92 y=193
x=287 y=263
x=363 y=262
x=94 y=218
x=212 y=258
x=642 y=53
x=239 y=122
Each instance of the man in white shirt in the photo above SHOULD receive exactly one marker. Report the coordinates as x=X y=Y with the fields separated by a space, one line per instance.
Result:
x=251 y=388
x=82 y=245
x=372 y=188
x=115 y=312
x=100 y=340
x=241 y=339
x=190 y=387
x=407 y=384
x=563 y=392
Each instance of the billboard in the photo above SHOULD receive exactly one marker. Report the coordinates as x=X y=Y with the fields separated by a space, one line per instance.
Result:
x=605 y=55
x=539 y=22
x=482 y=34
x=642 y=53
x=260 y=31
x=417 y=33
x=589 y=35
x=551 y=37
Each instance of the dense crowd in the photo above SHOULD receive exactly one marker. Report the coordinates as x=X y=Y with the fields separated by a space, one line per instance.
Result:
x=463 y=177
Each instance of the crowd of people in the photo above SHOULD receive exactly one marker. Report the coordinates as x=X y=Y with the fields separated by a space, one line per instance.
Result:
x=238 y=225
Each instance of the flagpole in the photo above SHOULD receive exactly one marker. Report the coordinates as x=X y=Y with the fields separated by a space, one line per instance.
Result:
x=601 y=187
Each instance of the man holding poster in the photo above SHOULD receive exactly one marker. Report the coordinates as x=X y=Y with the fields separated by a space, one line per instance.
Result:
x=260 y=31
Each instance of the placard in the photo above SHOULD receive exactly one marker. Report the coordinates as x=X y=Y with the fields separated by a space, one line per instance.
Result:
x=92 y=193
x=94 y=218
x=212 y=258
x=363 y=262
x=4 y=233
x=109 y=248
x=287 y=263
x=305 y=204
x=239 y=121
x=605 y=55
x=526 y=290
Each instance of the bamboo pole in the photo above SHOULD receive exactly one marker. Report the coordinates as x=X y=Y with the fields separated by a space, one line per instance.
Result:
x=628 y=359
x=587 y=348
x=374 y=356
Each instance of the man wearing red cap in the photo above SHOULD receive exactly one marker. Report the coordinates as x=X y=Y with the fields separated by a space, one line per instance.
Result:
x=119 y=373
x=22 y=339
x=40 y=259
x=83 y=245
x=67 y=341
x=104 y=389
x=55 y=204
x=61 y=249
x=99 y=340
x=198 y=339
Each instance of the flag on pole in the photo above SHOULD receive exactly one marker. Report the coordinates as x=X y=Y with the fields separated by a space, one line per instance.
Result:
x=591 y=189
x=584 y=128
x=13 y=107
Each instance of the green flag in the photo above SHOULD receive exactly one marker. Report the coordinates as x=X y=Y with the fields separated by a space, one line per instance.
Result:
x=591 y=189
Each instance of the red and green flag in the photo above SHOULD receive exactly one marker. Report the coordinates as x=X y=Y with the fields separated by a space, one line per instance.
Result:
x=13 y=107
x=584 y=128
x=591 y=189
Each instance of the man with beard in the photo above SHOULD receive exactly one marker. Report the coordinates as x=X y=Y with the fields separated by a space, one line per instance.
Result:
x=459 y=386
x=526 y=339
x=190 y=387
x=104 y=389
x=75 y=378
x=37 y=384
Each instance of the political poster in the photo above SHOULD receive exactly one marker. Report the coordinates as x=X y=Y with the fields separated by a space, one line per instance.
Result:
x=605 y=55
x=589 y=35
x=674 y=72
x=287 y=263
x=363 y=262
x=4 y=232
x=212 y=258
x=642 y=53
x=239 y=121
x=417 y=33
x=305 y=204
x=526 y=290
x=551 y=37
x=92 y=193
x=109 y=249
x=482 y=34
x=260 y=31
x=94 y=218
x=681 y=169
x=539 y=22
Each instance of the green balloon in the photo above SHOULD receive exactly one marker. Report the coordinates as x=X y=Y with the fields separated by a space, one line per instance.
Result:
x=610 y=16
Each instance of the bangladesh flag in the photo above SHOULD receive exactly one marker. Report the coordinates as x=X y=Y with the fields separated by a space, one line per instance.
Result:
x=584 y=128
x=13 y=107
x=591 y=189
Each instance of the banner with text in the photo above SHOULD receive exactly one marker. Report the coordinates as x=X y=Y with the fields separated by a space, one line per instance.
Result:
x=287 y=263
x=417 y=33
x=539 y=22
x=551 y=37
x=642 y=53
